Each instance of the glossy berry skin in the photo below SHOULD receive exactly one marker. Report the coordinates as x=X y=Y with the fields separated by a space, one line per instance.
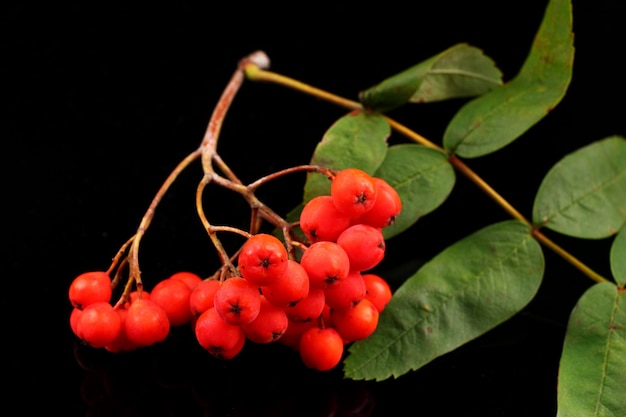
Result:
x=288 y=289
x=377 y=290
x=202 y=296
x=173 y=296
x=90 y=287
x=146 y=323
x=387 y=207
x=325 y=263
x=309 y=308
x=347 y=293
x=220 y=339
x=121 y=342
x=262 y=258
x=321 y=220
x=364 y=245
x=269 y=325
x=321 y=348
x=353 y=191
x=98 y=324
x=189 y=278
x=356 y=323
x=237 y=301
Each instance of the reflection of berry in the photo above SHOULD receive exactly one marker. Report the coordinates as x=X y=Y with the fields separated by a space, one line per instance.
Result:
x=353 y=191
x=321 y=220
x=237 y=301
x=356 y=323
x=326 y=263
x=90 y=287
x=364 y=244
x=321 y=348
x=263 y=257
x=146 y=323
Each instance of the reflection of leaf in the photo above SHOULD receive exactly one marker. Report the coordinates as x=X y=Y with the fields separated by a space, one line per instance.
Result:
x=460 y=71
x=465 y=291
x=500 y=116
x=618 y=258
x=357 y=140
x=584 y=194
x=422 y=176
x=592 y=369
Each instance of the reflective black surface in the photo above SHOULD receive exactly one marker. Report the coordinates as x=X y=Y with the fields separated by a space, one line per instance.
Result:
x=102 y=102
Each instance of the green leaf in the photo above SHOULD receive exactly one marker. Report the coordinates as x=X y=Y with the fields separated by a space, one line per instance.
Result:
x=357 y=140
x=584 y=194
x=465 y=291
x=459 y=71
x=592 y=375
x=618 y=258
x=422 y=176
x=497 y=118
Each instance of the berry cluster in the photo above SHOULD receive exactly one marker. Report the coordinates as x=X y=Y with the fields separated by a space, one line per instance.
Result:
x=315 y=303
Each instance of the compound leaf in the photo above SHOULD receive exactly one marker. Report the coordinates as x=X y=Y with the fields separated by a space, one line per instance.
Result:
x=497 y=118
x=422 y=176
x=591 y=369
x=460 y=71
x=463 y=292
x=618 y=258
x=584 y=194
x=358 y=140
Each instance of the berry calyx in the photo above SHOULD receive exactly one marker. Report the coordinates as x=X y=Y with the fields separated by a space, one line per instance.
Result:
x=387 y=207
x=219 y=338
x=237 y=301
x=262 y=259
x=353 y=191
x=325 y=263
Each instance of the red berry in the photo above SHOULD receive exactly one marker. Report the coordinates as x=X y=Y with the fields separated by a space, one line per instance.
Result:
x=356 y=323
x=189 y=278
x=387 y=207
x=347 y=293
x=378 y=290
x=325 y=263
x=295 y=328
x=98 y=324
x=173 y=296
x=121 y=342
x=262 y=258
x=146 y=323
x=364 y=245
x=220 y=339
x=321 y=220
x=90 y=287
x=202 y=296
x=353 y=191
x=309 y=308
x=288 y=289
x=237 y=301
x=269 y=325
x=321 y=349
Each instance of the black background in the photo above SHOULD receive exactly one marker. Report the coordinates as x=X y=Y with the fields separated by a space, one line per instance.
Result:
x=101 y=101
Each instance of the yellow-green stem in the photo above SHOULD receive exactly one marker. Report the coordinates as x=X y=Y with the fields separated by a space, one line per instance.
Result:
x=254 y=73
